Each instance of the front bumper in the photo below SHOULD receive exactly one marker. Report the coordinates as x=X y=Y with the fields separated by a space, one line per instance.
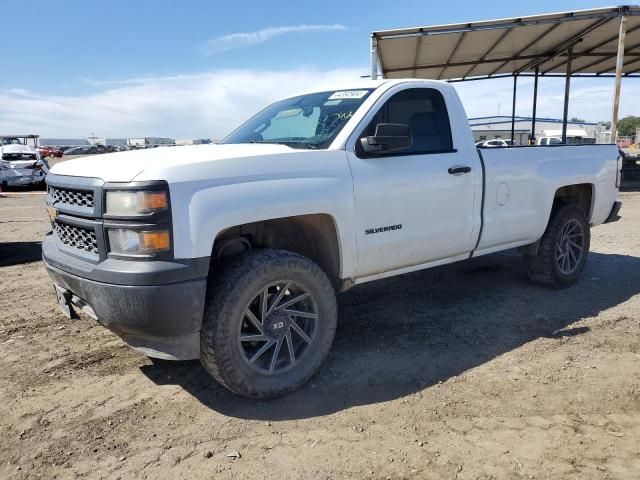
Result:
x=157 y=309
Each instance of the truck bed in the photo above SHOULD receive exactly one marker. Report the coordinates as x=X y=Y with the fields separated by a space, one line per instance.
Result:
x=520 y=183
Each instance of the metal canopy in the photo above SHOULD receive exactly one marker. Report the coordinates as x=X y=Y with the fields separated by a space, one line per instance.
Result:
x=602 y=42
x=587 y=39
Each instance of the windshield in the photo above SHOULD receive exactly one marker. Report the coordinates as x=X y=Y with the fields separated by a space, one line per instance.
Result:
x=308 y=121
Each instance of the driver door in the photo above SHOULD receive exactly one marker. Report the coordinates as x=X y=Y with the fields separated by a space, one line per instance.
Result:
x=411 y=208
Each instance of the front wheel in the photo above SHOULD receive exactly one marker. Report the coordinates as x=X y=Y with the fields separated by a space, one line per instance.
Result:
x=563 y=250
x=269 y=323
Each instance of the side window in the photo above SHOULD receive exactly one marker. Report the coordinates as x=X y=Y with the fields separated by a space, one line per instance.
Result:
x=424 y=111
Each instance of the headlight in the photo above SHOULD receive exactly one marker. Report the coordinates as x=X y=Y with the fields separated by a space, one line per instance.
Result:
x=132 y=203
x=124 y=241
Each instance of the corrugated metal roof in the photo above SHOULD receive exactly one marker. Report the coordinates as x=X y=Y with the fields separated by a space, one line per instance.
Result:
x=513 y=46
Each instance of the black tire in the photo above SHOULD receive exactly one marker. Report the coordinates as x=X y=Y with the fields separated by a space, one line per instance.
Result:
x=230 y=295
x=546 y=267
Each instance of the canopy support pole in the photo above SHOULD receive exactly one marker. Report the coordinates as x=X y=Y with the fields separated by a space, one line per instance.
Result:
x=374 y=58
x=513 y=109
x=616 y=87
x=567 y=86
x=535 y=106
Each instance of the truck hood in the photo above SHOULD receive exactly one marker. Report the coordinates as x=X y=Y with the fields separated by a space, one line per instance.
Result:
x=126 y=166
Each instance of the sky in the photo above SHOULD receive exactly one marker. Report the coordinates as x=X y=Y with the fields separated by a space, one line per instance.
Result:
x=197 y=69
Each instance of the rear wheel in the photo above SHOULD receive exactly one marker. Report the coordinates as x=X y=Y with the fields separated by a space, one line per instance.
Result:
x=269 y=323
x=563 y=250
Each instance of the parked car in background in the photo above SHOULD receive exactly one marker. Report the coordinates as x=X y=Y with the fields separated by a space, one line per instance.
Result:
x=49 y=151
x=496 y=142
x=571 y=140
x=21 y=165
x=88 y=150
x=80 y=150
x=65 y=148
x=43 y=151
x=549 y=141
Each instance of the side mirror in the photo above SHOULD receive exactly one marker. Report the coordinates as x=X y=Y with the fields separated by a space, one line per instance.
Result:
x=389 y=137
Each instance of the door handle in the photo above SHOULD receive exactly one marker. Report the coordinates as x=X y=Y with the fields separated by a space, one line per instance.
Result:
x=459 y=169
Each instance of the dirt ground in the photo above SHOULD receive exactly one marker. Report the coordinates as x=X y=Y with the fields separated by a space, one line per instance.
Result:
x=461 y=372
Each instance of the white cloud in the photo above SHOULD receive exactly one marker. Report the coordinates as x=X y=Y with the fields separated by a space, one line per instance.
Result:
x=183 y=106
x=212 y=104
x=246 y=39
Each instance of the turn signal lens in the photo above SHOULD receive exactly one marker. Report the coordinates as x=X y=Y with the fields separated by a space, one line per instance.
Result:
x=157 y=241
x=149 y=201
x=124 y=241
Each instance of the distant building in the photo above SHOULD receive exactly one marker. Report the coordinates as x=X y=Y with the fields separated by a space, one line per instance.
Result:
x=140 y=142
x=193 y=141
x=499 y=126
x=116 y=142
x=161 y=141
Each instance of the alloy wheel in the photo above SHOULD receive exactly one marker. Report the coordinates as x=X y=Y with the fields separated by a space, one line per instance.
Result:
x=570 y=247
x=278 y=327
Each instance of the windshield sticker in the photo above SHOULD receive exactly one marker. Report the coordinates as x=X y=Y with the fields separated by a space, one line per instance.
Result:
x=330 y=103
x=347 y=94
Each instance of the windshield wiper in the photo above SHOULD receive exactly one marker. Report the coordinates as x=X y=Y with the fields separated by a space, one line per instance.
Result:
x=300 y=145
x=261 y=141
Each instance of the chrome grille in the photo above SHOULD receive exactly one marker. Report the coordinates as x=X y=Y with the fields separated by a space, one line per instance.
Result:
x=77 y=237
x=78 y=198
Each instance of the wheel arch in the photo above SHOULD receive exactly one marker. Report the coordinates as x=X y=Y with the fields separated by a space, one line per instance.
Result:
x=582 y=194
x=314 y=236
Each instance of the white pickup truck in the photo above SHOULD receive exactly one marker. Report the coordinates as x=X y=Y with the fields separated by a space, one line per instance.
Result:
x=232 y=253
